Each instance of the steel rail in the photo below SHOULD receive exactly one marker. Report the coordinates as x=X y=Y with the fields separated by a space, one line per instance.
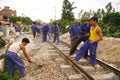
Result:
x=76 y=67
x=115 y=70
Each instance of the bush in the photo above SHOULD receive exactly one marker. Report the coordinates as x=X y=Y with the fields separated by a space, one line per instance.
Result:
x=111 y=24
x=26 y=28
x=2 y=43
x=63 y=24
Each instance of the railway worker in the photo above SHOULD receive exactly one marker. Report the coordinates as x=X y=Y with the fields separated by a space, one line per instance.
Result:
x=49 y=32
x=94 y=37
x=85 y=28
x=45 y=30
x=17 y=28
x=37 y=29
x=33 y=27
x=74 y=31
x=56 y=32
x=13 y=58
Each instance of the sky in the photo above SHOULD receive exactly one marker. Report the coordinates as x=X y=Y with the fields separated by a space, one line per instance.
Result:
x=51 y=9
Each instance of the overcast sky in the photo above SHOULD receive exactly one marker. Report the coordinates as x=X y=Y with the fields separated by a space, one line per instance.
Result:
x=46 y=9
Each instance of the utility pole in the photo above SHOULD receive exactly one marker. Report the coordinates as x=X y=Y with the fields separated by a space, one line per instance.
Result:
x=55 y=14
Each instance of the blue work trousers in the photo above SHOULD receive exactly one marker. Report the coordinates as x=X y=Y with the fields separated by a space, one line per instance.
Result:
x=84 y=48
x=34 y=33
x=49 y=35
x=56 y=37
x=12 y=60
x=44 y=37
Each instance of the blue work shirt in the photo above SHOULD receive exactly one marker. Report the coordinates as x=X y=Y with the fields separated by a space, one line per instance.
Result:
x=85 y=29
x=75 y=31
x=56 y=29
x=50 y=27
x=38 y=29
x=33 y=27
x=45 y=29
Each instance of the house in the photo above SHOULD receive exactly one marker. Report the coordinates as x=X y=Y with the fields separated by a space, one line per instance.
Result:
x=7 y=12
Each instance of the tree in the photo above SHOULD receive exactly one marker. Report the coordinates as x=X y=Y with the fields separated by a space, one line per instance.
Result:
x=24 y=20
x=103 y=12
x=80 y=14
x=109 y=7
x=13 y=19
x=111 y=25
x=67 y=13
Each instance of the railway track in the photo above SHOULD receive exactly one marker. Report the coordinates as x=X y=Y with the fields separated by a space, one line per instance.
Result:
x=103 y=72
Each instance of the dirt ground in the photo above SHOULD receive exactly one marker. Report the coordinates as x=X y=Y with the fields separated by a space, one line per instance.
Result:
x=108 y=49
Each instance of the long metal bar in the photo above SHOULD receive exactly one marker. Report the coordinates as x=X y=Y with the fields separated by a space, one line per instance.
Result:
x=77 y=68
x=115 y=70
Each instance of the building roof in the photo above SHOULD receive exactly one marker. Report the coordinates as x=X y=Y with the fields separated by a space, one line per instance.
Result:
x=7 y=12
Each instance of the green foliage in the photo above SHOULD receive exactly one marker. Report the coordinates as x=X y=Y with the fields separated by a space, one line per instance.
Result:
x=67 y=13
x=26 y=28
x=108 y=7
x=24 y=20
x=13 y=19
x=63 y=24
x=2 y=43
x=111 y=24
x=112 y=18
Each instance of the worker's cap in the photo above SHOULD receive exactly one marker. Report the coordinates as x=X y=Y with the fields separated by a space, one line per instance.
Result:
x=76 y=21
x=67 y=27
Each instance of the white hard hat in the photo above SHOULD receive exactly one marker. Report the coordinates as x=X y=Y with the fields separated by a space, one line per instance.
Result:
x=66 y=27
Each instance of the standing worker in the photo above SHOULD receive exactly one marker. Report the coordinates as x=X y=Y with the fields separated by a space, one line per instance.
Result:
x=85 y=28
x=45 y=30
x=17 y=28
x=74 y=34
x=33 y=27
x=92 y=43
x=49 y=31
x=13 y=59
x=56 y=32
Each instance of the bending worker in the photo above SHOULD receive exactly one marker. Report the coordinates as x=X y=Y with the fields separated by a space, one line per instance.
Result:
x=13 y=59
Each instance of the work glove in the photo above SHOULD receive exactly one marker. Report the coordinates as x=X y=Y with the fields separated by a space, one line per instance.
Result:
x=29 y=60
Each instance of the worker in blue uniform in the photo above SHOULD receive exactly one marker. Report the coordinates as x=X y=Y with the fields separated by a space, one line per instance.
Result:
x=95 y=36
x=85 y=28
x=74 y=31
x=45 y=30
x=49 y=32
x=33 y=27
x=56 y=32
